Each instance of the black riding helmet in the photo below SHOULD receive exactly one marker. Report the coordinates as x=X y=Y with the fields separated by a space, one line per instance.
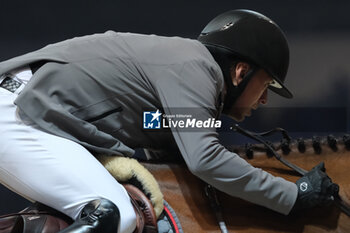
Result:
x=251 y=37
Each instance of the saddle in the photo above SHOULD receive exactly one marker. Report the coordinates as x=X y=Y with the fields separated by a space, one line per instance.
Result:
x=39 y=218
x=148 y=203
x=146 y=220
x=142 y=188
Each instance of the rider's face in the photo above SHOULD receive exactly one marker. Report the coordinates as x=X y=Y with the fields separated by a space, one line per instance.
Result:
x=253 y=95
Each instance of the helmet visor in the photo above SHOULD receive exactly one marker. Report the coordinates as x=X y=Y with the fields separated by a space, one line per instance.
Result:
x=278 y=87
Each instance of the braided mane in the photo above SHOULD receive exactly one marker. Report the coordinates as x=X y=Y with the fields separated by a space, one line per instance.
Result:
x=314 y=145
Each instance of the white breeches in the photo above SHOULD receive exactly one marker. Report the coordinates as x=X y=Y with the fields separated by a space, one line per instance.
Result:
x=53 y=170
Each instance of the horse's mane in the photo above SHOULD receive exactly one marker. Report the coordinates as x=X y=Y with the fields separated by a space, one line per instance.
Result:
x=315 y=145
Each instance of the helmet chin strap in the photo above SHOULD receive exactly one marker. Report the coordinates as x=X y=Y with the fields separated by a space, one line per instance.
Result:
x=224 y=58
x=233 y=92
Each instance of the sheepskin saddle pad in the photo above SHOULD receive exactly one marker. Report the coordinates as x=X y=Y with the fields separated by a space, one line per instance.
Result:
x=130 y=171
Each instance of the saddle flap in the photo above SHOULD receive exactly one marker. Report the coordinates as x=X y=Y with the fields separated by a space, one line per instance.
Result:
x=7 y=224
x=36 y=218
x=22 y=223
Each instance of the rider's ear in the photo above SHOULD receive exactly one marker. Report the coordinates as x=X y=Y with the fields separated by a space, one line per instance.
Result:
x=239 y=71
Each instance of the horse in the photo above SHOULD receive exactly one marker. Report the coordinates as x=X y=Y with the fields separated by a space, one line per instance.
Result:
x=185 y=193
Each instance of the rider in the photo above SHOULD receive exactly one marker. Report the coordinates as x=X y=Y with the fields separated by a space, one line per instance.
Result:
x=253 y=54
x=64 y=103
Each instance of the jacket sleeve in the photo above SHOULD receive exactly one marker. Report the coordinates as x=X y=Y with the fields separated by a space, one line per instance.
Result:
x=193 y=91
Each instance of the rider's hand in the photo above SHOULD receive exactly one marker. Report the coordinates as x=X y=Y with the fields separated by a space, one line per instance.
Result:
x=315 y=188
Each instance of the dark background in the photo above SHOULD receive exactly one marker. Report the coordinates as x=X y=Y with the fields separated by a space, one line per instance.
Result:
x=318 y=33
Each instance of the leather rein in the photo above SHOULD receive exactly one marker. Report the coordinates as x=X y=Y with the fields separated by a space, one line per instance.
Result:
x=338 y=200
x=210 y=191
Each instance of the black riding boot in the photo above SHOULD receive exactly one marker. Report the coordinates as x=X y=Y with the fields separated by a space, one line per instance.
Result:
x=100 y=215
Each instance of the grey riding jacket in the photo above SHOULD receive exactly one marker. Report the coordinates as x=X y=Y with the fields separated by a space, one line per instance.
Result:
x=94 y=90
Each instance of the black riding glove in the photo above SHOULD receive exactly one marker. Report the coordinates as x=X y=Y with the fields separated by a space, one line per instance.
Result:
x=315 y=188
